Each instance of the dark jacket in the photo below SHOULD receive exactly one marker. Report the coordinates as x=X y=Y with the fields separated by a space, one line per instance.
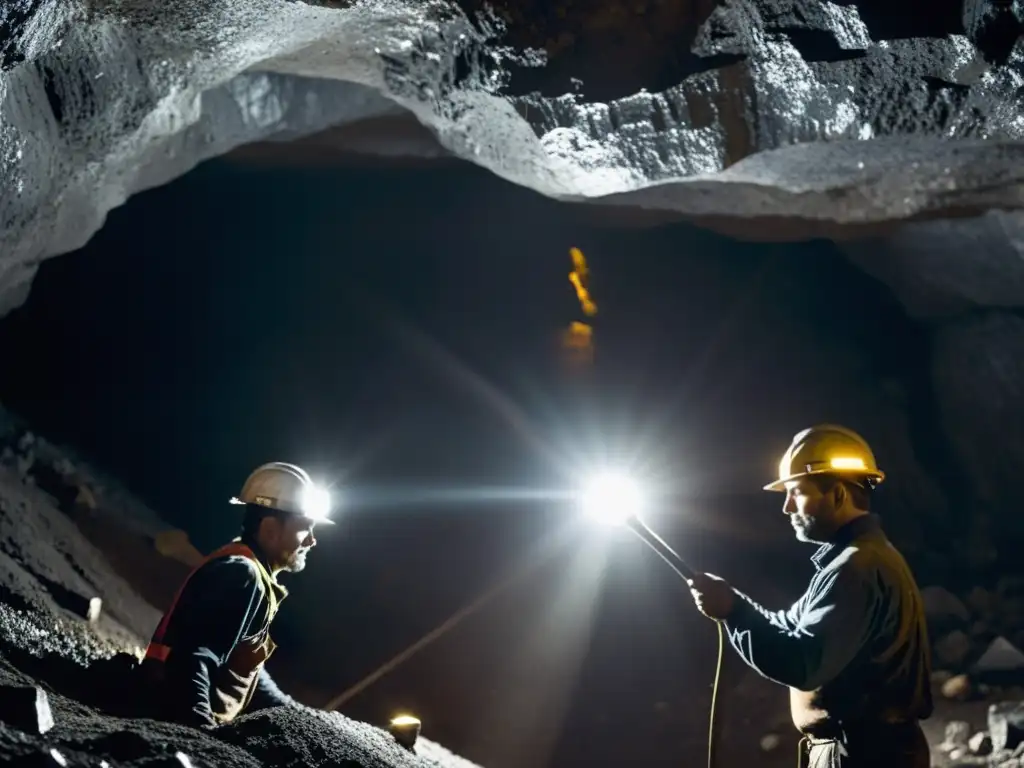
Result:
x=854 y=648
x=206 y=660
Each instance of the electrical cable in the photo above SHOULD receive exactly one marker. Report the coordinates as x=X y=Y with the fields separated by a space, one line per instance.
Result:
x=714 y=695
x=685 y=572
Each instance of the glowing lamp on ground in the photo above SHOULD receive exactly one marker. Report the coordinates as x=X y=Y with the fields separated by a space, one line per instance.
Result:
x=405 y=729
x=612 y=498
x=95 y=610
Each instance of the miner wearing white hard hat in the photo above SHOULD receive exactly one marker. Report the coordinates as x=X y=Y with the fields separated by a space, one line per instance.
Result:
x=205 y=662
x=853 y=650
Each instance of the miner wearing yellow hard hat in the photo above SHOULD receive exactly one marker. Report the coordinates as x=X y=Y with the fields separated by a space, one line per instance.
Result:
x=205 y=662
x=853 y=650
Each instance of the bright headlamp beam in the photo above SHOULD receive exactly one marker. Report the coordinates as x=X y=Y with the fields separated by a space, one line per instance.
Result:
x=612 y=498
x=316 y=503
x=615 y=498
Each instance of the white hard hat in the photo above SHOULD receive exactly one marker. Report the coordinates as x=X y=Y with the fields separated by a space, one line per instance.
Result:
x=286 y=488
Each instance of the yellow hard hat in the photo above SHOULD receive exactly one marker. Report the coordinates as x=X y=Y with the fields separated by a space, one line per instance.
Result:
x=286 y=488
x=828 y=449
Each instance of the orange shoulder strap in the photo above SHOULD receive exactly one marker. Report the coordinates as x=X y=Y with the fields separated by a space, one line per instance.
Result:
x=156 y=649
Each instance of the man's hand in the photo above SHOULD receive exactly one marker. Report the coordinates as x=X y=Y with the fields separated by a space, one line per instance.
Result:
x=713 y=596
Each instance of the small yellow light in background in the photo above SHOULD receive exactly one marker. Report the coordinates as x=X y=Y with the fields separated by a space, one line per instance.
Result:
x=405 y=729
x=578 y=338
x=579 y=334
x=578 y=277
x=847 y=463
x=578 y=344
x=579 y=261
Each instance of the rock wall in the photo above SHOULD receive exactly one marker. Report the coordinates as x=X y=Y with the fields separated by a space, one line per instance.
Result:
x=963 y=283
x=796 y=110
x=778 y=118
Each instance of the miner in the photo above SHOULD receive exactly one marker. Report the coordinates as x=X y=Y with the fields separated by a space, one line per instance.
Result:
x=205 y=663
x=853 y=650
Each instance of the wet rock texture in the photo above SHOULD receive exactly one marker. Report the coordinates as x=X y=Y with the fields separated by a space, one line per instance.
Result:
x=801 y=115
x=763 y=118
x=66 y=694
x=618 y=48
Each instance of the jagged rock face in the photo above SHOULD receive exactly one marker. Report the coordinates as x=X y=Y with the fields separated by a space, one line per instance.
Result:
x=779 y=118
x=618 y=48
x=102 y=99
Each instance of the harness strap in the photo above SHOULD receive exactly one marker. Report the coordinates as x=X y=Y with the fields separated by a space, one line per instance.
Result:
x=157 y=650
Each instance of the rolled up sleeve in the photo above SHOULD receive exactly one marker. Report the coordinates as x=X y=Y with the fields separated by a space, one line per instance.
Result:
x=809 y=644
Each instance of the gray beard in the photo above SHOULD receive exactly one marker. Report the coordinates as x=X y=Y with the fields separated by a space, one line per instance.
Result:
x=803 y=527
x=297 y=563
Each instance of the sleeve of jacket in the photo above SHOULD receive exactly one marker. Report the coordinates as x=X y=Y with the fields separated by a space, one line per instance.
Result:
x=268 y=694
x=809 y=644
x=225 y=598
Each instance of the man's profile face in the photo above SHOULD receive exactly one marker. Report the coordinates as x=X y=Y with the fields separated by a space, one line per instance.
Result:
x=289 y=539
x=811 y=512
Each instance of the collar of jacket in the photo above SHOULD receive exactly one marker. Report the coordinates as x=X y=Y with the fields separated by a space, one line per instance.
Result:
x=282 y=593
x=852 y=530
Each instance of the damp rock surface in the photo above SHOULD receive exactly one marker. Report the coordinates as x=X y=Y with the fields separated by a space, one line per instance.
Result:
x=819 y=115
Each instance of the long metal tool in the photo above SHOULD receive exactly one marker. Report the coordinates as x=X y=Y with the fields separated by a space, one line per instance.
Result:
x=658 y=544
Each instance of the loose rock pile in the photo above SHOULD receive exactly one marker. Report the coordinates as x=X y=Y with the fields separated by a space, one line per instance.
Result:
x=976 y=640
x=67 y=695
x=53 y=713
x=1001 y=745
x=976 y=654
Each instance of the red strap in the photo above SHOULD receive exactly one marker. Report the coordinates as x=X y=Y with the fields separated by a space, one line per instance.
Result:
x=158 y=652
x=156 y=649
